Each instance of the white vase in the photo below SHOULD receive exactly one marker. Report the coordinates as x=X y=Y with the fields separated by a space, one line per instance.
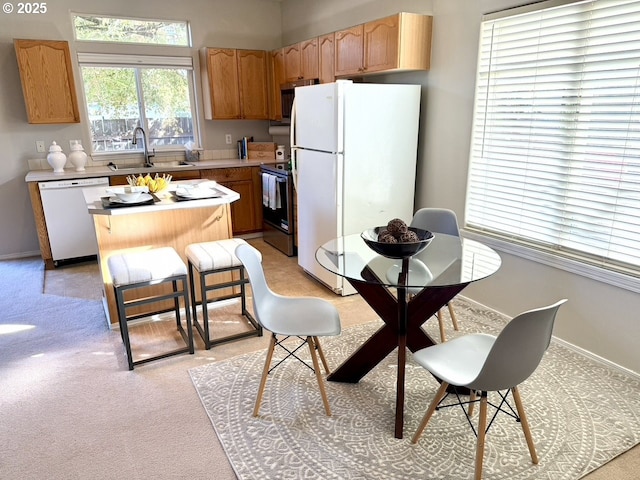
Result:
x=56 y=158
x=77 y=157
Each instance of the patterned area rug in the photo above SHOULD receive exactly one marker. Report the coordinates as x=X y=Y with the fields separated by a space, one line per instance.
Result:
x=582 y=414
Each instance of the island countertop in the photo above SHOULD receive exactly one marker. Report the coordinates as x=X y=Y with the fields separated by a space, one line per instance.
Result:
x=93 y=197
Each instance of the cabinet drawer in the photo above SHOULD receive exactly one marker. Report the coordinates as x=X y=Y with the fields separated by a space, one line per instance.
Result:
x=227 y=174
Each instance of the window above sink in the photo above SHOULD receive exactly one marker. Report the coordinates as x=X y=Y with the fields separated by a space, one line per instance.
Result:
x=125 y=91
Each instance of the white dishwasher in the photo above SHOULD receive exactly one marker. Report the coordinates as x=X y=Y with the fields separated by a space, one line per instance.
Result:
x=69 y=224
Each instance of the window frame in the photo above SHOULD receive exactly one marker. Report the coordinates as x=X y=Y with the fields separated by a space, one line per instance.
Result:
x=627 y=278
x=118 y=17
x=139 y=62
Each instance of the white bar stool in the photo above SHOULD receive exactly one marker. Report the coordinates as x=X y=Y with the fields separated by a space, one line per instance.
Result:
x=209 y=258
x=131 y=271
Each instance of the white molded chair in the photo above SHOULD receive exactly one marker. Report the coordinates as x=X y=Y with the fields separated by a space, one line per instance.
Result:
x=484 y=363
x=439 y=220
x=304 y=317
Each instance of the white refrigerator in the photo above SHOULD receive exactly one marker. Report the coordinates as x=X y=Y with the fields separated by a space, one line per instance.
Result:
x=354 y=149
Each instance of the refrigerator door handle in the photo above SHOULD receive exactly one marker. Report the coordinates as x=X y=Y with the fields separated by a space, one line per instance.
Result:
x=292 y=140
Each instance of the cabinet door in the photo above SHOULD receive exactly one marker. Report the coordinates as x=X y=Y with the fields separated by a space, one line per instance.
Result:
x=252 y=71
x=243 y=212
x=223 y=83
x=326 y=52
x=348 y=51
x=381 y=44
x=309 y=58
x=47 y=81
x=277 y=79
x=292 y=63
x=246 y=213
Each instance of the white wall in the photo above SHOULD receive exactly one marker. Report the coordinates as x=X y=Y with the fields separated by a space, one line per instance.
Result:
x=214 y=23
x=599 y=318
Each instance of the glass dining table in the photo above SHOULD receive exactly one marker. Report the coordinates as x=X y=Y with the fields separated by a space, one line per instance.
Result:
x=405 y=293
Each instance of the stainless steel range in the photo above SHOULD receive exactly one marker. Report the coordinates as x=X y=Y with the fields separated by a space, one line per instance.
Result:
x=277 y=208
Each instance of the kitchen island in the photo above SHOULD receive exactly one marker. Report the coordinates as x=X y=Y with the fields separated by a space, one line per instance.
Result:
x=167 y=222
x=241 y=176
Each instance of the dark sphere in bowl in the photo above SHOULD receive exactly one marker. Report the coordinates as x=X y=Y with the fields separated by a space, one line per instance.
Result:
x=400 y=249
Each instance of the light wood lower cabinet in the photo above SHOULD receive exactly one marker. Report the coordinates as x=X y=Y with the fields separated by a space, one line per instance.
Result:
x=246 y=213
x=180 y=175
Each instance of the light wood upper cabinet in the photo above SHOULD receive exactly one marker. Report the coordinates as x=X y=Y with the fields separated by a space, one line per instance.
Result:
x=276 y=79
x=309 y=58
x=398 y=42
x=234 y=83
x=47 y=81
x=252 y=73
x=301 y=60
x=326 y=54
x=292 y=62
x=219 y=70
x=381 y=44
x=349 y=47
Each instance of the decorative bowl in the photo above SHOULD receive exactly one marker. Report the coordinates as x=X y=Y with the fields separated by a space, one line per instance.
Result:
x=397 y=250
x=128 y=194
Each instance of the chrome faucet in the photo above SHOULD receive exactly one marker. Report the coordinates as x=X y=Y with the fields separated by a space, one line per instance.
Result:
x=147 y=155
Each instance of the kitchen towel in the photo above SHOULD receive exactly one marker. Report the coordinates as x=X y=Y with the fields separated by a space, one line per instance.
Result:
x=270 y=191
x=265 y=189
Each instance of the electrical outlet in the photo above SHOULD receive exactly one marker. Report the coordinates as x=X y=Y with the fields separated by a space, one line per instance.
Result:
x=227 y=138
x=40 y=146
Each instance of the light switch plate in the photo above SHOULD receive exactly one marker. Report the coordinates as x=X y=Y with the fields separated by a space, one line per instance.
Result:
x=40 y=146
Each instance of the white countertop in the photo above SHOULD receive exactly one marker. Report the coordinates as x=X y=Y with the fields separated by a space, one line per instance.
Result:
x=93 y=197
x=159 y=167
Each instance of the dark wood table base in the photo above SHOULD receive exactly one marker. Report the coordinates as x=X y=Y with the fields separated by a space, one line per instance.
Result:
x=403 y=320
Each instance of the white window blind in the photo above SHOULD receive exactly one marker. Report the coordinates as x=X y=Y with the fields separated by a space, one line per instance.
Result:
x=555 y=152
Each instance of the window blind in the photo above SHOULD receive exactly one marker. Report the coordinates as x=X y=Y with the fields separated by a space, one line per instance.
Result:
x=134 y=60
x=555 y=151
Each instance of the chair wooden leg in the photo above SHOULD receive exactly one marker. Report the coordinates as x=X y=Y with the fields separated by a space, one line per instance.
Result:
x=321 y=354
x=443 y=337
x=525 y=425
x=472 y=400
x=482 y=431
x=452 y=314
x=432 y=408
x=316 y=368
x=265 y=372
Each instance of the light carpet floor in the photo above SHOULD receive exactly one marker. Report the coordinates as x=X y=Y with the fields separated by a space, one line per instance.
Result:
x=70 y=409
x=582 y=415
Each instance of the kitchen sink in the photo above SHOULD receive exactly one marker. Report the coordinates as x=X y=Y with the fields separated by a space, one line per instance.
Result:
x=142 y=168
x=124 y=168
x=173 y=164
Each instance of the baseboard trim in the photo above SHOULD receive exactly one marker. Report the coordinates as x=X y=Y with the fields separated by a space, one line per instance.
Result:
x=16 y=256
x=571 y=346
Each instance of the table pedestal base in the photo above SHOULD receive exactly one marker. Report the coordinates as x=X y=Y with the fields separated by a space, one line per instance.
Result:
x=403 y=320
